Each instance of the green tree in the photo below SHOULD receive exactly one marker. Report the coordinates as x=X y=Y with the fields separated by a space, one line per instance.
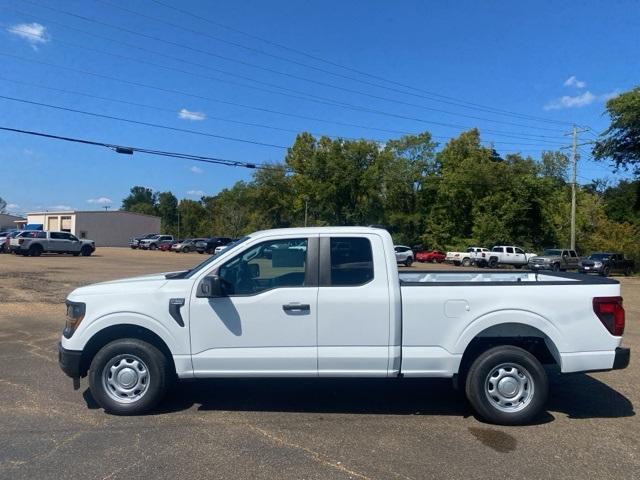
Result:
x=191 y=219
x=621 y=141
x=167 y=209
x=3 y=205
x=141 y=200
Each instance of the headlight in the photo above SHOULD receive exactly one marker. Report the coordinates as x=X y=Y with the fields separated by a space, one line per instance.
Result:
x=75 y=314
x=597 y=264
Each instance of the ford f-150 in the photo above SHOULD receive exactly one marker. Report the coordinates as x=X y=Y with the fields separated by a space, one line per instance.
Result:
x=330 y=302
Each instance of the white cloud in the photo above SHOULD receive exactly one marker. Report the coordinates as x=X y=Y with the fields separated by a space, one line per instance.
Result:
x=572 y=81
x=582 y=100
x=60 y=207
x=195 y=169
x=568 y=101
x=100 y=200
x=33 y=33
x=189 y=115
x=12 y=206
x=196 y=193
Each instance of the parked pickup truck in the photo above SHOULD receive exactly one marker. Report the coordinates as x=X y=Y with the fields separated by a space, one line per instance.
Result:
x=509 y=255
x=606 y=263
x=330 y=302
x=152 y=243
x=471 y=256
x=555 y=259
x=135 y=241
x=35 y=243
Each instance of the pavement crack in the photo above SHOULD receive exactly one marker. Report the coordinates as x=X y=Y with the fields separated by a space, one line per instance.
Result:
x=315 y=456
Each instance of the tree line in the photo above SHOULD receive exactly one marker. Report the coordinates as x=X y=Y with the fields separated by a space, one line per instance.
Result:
x=451 y=197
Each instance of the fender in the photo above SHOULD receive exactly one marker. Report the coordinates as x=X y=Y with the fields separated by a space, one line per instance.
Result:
x=499 y=317
x=82 y=336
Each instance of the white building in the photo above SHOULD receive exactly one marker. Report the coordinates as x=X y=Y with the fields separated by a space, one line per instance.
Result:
x=106 y=228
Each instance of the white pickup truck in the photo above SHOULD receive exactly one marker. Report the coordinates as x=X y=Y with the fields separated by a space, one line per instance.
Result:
x=339 y=308
x=509 y=255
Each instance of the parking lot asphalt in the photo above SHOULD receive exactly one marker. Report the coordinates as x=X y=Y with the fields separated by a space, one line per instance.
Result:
x=284 y=429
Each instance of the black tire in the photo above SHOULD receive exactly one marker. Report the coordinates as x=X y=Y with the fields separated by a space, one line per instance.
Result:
x=605 y=272
x=518 y=267
x=86 y=251
x=493 y=262
x=201 y=252
x=456 y=263
x=408 y=261
x=466 y=262
x=556 y=267
x=516 y=363
x=35 y=250
x=627 y=272
x=120 y=352
x=153 y=246
x=186 y=250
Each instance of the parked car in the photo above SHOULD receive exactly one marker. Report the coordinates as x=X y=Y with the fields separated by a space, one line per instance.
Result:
x=605 y=263
x=4 y=242
x=509 y=255
x=152 y=243
x=135 y=241
x=469 y=257
x=209 y=245
x=555 y=259
x=165 y=245
x=187 y=245
x=340 y=308
x=35 y=243
x=430 y=256
x=404 y=255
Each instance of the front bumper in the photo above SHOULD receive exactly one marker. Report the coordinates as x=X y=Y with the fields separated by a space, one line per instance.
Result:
x=539 y=266
x=70 y=361
x=622 y=358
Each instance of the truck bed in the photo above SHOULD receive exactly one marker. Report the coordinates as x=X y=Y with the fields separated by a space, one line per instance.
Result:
x=498 y=277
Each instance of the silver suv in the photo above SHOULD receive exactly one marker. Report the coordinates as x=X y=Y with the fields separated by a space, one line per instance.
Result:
x=35 y=243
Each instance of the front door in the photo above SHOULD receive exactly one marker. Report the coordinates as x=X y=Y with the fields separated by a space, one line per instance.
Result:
x=266 y=324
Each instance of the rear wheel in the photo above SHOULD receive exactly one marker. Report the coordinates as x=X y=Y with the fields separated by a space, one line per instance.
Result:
x=466 y=262
x=493 y=262
x=506 y=385
x=627 y=272
x=408 y=261
x=186 y=250
x=128 y=377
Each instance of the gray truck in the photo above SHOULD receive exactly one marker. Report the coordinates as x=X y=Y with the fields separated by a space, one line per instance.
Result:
x=555 y=259
x=36 y=243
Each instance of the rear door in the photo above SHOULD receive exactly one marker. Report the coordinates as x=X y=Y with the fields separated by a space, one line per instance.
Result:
x=519 y=257
x=353 y=306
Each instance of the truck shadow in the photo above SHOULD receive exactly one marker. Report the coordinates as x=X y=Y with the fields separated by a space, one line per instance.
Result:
x=577 y=396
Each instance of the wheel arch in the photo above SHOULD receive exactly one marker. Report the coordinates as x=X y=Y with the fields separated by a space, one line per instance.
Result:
x=120 y=331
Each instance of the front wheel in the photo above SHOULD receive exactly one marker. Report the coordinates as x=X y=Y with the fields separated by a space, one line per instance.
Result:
x=408 y=261
x=186 y=250
x=85 y=251
x=466 y=262
x=128 y=377
x=627 y=272
x=153 y=246
x=506 y=385
x=605 y=272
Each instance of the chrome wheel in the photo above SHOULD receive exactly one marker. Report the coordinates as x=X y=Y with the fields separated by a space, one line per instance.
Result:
x=509 y=387
x=125 y=378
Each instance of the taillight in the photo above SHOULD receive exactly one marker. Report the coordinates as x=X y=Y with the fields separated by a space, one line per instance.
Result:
x=611 y=313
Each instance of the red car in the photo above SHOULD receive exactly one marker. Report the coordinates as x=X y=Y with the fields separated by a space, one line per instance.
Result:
x=431 y=256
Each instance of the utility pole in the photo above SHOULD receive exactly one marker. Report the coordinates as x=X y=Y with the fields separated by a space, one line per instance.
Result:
x=574 y=161
x=306 y=209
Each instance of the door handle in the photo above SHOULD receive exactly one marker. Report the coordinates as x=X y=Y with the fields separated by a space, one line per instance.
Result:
x=296 y=307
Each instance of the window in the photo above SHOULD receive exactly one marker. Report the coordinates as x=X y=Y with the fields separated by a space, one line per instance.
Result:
x=497 y=249
x=565 y=253
x=271 y=264
x=351 y=261
x=83 y=234
x=60 y=236
x=509 y=249
x=73 y=238
x=572 y=253
x=519 y=251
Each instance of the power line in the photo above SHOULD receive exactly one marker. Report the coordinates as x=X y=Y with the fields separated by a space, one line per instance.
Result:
x=318 y=99
x=439 y=97
x=539 y=138
x=137 y=122
x=128 y=150
x=297 y=94
x=239 y=122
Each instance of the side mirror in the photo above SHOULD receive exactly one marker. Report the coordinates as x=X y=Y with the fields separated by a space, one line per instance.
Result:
x=210 y=287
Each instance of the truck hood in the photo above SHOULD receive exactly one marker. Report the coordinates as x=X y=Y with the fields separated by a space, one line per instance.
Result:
x=143 y=284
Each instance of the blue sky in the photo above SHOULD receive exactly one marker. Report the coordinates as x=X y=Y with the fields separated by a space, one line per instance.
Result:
x=558 y=61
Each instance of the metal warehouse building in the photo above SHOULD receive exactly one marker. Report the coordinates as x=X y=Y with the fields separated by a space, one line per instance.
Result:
x=106 y=228
x=8 y=222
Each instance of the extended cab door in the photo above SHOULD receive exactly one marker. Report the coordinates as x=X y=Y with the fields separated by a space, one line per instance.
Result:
x=353 y=306
x=266 y=322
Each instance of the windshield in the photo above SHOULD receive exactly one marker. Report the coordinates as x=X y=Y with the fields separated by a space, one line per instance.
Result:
x=552 y=252
x=196 y=269
x=599 y=256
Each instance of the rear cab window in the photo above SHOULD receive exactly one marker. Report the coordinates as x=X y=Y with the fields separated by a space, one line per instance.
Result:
x=351 y=261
